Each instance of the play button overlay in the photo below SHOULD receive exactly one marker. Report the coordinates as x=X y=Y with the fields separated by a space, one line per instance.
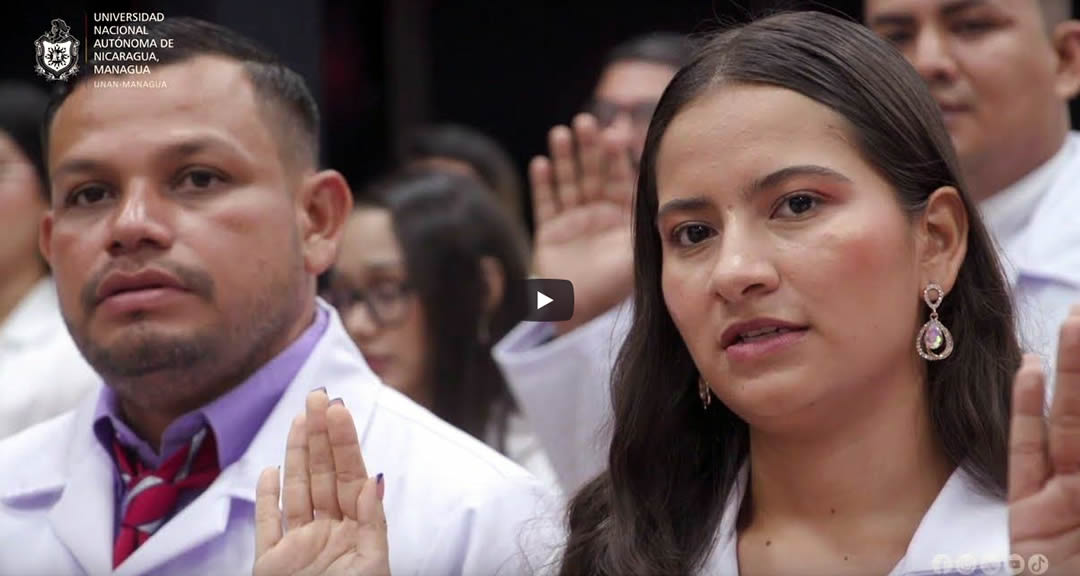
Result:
x=550 y=300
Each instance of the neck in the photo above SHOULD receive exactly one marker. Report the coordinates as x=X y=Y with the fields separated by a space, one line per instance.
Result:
x=149 y=415
x=17 y=284
x=993 y=173
x=868 y=481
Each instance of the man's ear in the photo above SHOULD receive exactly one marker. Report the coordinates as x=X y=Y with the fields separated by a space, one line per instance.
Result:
x=942 y=237
x=45 y=236
x=1066 y=40
x=324 y=204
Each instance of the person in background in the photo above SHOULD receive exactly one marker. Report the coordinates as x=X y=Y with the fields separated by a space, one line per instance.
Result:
x=189 y=222
x=461 y=149
x=1002 y=73
x=429 y=276
x=42 y=373
x=581 y=205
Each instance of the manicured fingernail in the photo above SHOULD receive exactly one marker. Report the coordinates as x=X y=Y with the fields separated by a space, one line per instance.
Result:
x=338 y=401
x=320 y=389
x=380 y=487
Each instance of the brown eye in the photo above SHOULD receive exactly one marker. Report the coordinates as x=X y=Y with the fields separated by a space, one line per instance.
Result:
x=691 y=234
x=796 y=205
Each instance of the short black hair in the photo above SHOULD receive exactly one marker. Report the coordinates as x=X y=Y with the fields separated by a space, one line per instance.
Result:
x=275 y=83
x=668 y=48
x=22 y=106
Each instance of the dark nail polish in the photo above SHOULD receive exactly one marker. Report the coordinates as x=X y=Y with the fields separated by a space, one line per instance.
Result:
x=380 y=487
x=320 y=389
x=338 y=401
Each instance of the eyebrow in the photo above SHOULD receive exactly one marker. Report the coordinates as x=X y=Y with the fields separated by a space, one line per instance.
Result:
x=181 y=149
x=697 y=203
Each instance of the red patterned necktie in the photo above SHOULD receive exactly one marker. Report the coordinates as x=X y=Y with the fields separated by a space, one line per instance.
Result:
x=150 y=495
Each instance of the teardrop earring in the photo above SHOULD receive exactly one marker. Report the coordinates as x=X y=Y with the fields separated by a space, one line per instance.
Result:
x=934 y=341
x=704 y=393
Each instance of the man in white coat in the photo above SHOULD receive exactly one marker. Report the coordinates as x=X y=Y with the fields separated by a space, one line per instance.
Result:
x=1003 y=72
x=188 y=225
x=42 y=374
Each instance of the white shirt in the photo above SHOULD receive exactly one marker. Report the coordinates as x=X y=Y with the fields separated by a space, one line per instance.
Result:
x=1036 y=224
x=962 y=528
x=453 y=505
x=42 y=373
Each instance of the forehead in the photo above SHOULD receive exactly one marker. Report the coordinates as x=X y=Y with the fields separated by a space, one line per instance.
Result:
x=925 y=9
x=735 y=134
x=369 y=235
x=202 y=95
x=630 y=81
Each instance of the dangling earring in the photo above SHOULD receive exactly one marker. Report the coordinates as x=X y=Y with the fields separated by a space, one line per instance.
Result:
x=934 y=341
x=704 y=393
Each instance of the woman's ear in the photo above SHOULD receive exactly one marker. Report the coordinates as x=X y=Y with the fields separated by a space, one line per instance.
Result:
x=942 y=237
x=495 y=279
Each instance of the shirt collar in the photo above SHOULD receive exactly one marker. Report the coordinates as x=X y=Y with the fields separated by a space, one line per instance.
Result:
x=234 y=418
x=1008 y=212
x=962 y=525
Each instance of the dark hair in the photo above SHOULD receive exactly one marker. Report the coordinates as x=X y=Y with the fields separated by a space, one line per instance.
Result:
x=666 y=48
x=22 y=106
x=290 y=100
x=671 y=464
x=446 y=223
x=481 y=152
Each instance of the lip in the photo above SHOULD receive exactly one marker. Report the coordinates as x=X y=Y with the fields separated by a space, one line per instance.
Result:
x=129 y=285
x=377 y=362
x=730 y=337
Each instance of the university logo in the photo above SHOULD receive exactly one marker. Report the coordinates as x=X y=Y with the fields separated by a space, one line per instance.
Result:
x=57 y=52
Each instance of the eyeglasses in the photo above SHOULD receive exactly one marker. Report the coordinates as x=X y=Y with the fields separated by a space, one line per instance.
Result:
x=606 y=112
x=386 y=300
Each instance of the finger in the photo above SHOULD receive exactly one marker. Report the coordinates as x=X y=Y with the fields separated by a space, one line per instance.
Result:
x=371 y=535
x=267 y=514
x=620 y=179
x=591 y=153
x=348 y=460
x=320 y=458
x=565 y=167
x=297 y=486
x=1028 y=465
x=543 y=189
x=1065 y=411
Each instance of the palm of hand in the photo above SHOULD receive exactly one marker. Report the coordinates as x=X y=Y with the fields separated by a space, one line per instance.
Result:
x=326 y=546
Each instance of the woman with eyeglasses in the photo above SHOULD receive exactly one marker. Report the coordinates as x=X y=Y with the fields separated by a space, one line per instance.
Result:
x=428 y=278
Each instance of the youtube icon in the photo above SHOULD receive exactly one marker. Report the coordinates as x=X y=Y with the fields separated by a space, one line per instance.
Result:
x=549 y=299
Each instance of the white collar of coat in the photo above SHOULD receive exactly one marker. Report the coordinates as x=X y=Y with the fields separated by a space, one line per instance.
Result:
x=49 y=470
x=1047 y=201
x=962 y=524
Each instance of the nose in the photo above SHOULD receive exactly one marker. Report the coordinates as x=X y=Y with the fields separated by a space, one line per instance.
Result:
x=359 y=323
x=140 y=221
x=743 y=268
x=932 y=57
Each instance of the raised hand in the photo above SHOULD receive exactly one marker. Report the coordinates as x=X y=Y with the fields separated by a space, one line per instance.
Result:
x=334 y=521
x=1044 y=460
x=581 y=203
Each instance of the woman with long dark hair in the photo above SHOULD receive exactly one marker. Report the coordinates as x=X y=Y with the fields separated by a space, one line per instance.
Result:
x=431 y=275
x=817 y=377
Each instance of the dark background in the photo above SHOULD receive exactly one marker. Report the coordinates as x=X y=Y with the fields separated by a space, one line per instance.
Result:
x=381 y=67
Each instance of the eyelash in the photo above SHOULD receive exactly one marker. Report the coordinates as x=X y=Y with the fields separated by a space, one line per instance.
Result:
x=72 y=198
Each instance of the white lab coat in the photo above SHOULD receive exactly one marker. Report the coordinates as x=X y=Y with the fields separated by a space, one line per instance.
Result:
x=453 y=505
x=42 y=373
x=963 y=529
x=563 y=386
